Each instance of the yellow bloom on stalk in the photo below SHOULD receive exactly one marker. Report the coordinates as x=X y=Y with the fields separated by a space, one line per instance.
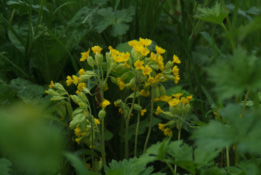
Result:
x=96 y=49
x=121 y=83
x=174 y=102
x=189 y=98
x=85 y=55
x=121 y=111
x=114 y=52
x=144 y=51
x=69 y=80
x=184 y=100
x=78 y=131
x=97 y=121
x=175 y=70
x=125 y=56
x=142 y=112
x=81 y=86
x=138 y=47
x=161 y=126
x=153 y=56
x=139 y=65
x=177 y=95
x=160 y=62
x=165 y=98
x=145 y=42
x=151 y=80
x=105 y=103
x=160 y=50
x=146 y=70
x=81 y=72
x=176 y=59
x=75 y=79
x=78 y=140
x=176 y=79
x=167 y=132
x=126 y=65
x=133 y=43
x=159 y=77
x=144 y=93
x=158 y=111
x=51 y=84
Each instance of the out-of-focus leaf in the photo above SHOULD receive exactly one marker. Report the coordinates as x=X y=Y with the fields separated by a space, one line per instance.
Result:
x=6 y=93
x=214 y=15
x=238 y=73
x=5 y=165
x=77 y=164
x=213 y=171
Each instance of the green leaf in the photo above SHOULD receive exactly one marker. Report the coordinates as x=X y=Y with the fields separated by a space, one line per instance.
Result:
x=6 y=93
x=117 y=20
x=214 y=15
x=77 y=164
x=213 y=171
x=238 y=73
x=5 y=166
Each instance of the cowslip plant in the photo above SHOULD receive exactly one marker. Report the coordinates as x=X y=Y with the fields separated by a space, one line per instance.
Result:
x=142 y=72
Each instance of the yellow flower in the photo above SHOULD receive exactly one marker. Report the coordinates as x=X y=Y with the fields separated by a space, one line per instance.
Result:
x=144 y=93
x=177 y=95
x=160 y=50
x=161 y=126
x=81 y=72
x=121 y=111
x=75 y=79
x=125 y=56
x=69 y=80
x=189 y=98
x=144 y=51
x=156 y=99
x=139 y=64
x=105 y=103
x=51 y=84
x=165 y=98
x=96 y=49
x=167 y=132
x=176 y=79
x=142 y=112
x=153 y=56
x=78 y=140
x=106 y=87
x=85 y=55
x=174 y=102
x=121 y=83
x=81 y=86
x=151 y=80
x=145 y=42
x=97 y=121
x=126 y=65
x=159 y=77
x=78 y=131
x=175 y=70
x=133 y=43
x=158 y=111
x=146 y=70
x=176 y=59
x=184 y=100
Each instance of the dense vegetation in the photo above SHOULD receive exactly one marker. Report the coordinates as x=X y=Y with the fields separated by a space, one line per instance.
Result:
x=130 y=87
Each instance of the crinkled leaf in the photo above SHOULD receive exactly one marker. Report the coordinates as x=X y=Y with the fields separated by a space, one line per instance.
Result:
x=238 y=73
x=214 y=15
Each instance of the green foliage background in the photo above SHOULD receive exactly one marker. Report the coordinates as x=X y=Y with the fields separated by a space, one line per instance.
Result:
x=218 y=43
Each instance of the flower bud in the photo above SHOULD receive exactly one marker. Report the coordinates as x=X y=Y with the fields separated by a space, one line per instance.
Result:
x=90 y=61
x=137 y=107
x=162 y=90
x=156 y=92
x=102 y=114
x=98 y=59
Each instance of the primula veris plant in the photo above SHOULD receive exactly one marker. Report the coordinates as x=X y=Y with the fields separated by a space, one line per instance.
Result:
x=142 y=73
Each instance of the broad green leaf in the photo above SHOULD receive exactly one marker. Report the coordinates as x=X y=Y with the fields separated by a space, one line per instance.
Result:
x=124 y=47
x=6 y=93
x=238 y=73
x=5 y=166
x=213 y=171
x=117 y=20
x=214 y=15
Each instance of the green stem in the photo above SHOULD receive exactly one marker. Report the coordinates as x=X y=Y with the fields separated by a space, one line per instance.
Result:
x=229 y=37
x=102 y=134
x=39 y=16
x=13 y=64
x=170 y=167
x=227 y=156
x=179 y=134
x=12 y=16
x=137 y=130
x=151 y=118
x=127 y=125
x=244 y=105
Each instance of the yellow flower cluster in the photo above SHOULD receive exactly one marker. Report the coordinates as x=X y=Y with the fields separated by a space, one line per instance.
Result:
x=79 y=134
x=166 y=131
